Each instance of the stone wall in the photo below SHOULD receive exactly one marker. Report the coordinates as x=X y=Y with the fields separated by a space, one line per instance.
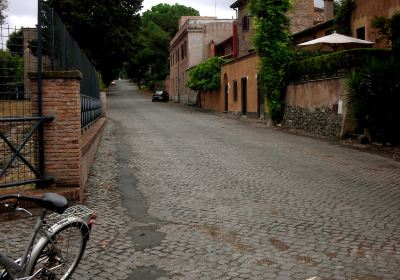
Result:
x=319 y=107
x=321 y=121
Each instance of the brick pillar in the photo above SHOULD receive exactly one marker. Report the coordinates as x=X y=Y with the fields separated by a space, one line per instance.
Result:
x=61 y=100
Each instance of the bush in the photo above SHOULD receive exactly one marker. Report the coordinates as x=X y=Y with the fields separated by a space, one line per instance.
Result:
x=374 y=95
x=331 y=63
x=207 y=75
x=11 y=75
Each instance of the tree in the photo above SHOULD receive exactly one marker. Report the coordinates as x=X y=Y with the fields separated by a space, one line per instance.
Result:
x=272 y=41
x=11 y=75
x=207 y=75
x=167 y=16
x=389 y=28
x=342 y=21
x=106 y=30
x=159 y=25
x=149 y=62
x=3 y=7
x=15 y=43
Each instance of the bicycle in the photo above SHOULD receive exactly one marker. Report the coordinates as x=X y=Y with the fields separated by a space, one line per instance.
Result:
x=61 y=239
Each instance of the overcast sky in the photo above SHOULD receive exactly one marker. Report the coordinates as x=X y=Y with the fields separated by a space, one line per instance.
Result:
x=23 y=12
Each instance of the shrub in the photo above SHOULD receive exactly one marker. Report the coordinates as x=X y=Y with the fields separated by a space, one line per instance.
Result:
x=206 y=76
x=374 y=97
x=331 y=63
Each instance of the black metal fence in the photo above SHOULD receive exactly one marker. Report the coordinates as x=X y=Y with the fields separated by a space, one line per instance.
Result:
x=19 y=119
x=64 y=54
x=45 y=48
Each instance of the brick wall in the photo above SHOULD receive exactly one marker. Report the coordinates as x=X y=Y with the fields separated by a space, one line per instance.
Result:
x=302 y=15
x=61 y=100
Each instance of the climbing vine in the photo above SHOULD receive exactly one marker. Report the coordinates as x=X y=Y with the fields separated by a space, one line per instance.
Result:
x=342 y=21
x=272 y=41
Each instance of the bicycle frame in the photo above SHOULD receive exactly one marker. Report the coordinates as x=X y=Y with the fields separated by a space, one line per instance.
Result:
x=23 y=268
x=20 y=268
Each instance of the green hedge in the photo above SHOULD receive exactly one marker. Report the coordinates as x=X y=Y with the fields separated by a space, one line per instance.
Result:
x=330 y=64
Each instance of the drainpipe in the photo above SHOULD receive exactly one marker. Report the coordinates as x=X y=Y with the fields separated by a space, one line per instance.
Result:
x=178 y=83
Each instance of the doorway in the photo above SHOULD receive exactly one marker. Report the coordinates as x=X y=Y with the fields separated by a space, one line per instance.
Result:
x=226 y=90
x=244 y=96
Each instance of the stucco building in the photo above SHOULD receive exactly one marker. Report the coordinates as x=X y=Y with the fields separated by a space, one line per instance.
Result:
x=365 y=12
x=239 y=84
x=191 y=46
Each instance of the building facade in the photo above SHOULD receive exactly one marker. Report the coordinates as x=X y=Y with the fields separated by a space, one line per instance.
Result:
x=365 y=12
x=239 y=83
x=191 y=46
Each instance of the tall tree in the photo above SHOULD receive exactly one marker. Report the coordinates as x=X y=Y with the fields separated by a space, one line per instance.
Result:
x=159 y=25
x=167 y=16
x=3 y=7
x=105 y=29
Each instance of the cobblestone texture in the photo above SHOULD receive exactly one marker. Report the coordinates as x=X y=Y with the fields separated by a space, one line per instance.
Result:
x=236 y=201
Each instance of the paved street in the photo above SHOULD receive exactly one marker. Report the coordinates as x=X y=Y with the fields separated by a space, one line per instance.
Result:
x=182 y=194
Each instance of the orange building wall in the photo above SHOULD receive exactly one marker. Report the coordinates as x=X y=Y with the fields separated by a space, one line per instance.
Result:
x=244 y=67
x=366 y=11
x=315 y=94
x=213 y=100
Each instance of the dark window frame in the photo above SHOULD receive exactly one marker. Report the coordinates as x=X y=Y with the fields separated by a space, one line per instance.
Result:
x=246 y=23
x=360 y=33
x=235 y=90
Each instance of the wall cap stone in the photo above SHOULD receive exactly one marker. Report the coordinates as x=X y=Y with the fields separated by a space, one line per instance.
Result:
x=71 y=74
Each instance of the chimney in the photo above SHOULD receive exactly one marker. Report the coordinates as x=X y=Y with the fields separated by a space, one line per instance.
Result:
x=329 y=10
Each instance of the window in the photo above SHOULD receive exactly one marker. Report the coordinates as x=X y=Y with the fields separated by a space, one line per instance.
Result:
x=245 y=23
x=361 y=33
x=235 y=91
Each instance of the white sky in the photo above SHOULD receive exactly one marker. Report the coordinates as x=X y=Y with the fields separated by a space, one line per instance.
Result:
x=24 y=12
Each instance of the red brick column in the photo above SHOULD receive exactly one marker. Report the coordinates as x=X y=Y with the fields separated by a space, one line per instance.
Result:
x=61 y=100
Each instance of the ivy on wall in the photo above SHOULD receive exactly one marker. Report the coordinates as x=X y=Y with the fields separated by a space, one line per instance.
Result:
x=342 y=22
x=272 y=41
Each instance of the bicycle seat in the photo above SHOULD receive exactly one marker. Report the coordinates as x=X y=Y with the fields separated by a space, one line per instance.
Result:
x=49 y=201
x=54 y=202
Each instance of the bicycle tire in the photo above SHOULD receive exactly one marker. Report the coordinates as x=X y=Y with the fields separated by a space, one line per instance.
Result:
x=54 y=255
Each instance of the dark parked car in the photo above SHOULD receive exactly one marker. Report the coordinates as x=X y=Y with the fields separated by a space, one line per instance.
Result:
x=160 y=95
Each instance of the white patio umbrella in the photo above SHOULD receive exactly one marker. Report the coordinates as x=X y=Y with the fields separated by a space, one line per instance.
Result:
x=334 y=42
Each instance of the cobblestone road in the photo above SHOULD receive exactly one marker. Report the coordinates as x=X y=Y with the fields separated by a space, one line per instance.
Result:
x=182 y=194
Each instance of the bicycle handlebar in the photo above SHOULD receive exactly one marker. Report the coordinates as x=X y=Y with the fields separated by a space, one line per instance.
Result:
x=50 y=201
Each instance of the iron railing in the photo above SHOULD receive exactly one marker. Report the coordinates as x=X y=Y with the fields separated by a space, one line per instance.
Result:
x=64 y=54
x=90 y=110
x=49 y=47
x=20 y=159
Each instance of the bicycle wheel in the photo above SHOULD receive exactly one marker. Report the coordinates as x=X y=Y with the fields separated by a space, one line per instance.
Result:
x=59 y=256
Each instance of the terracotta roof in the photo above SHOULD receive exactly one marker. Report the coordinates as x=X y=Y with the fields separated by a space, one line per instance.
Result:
x=319 y=15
